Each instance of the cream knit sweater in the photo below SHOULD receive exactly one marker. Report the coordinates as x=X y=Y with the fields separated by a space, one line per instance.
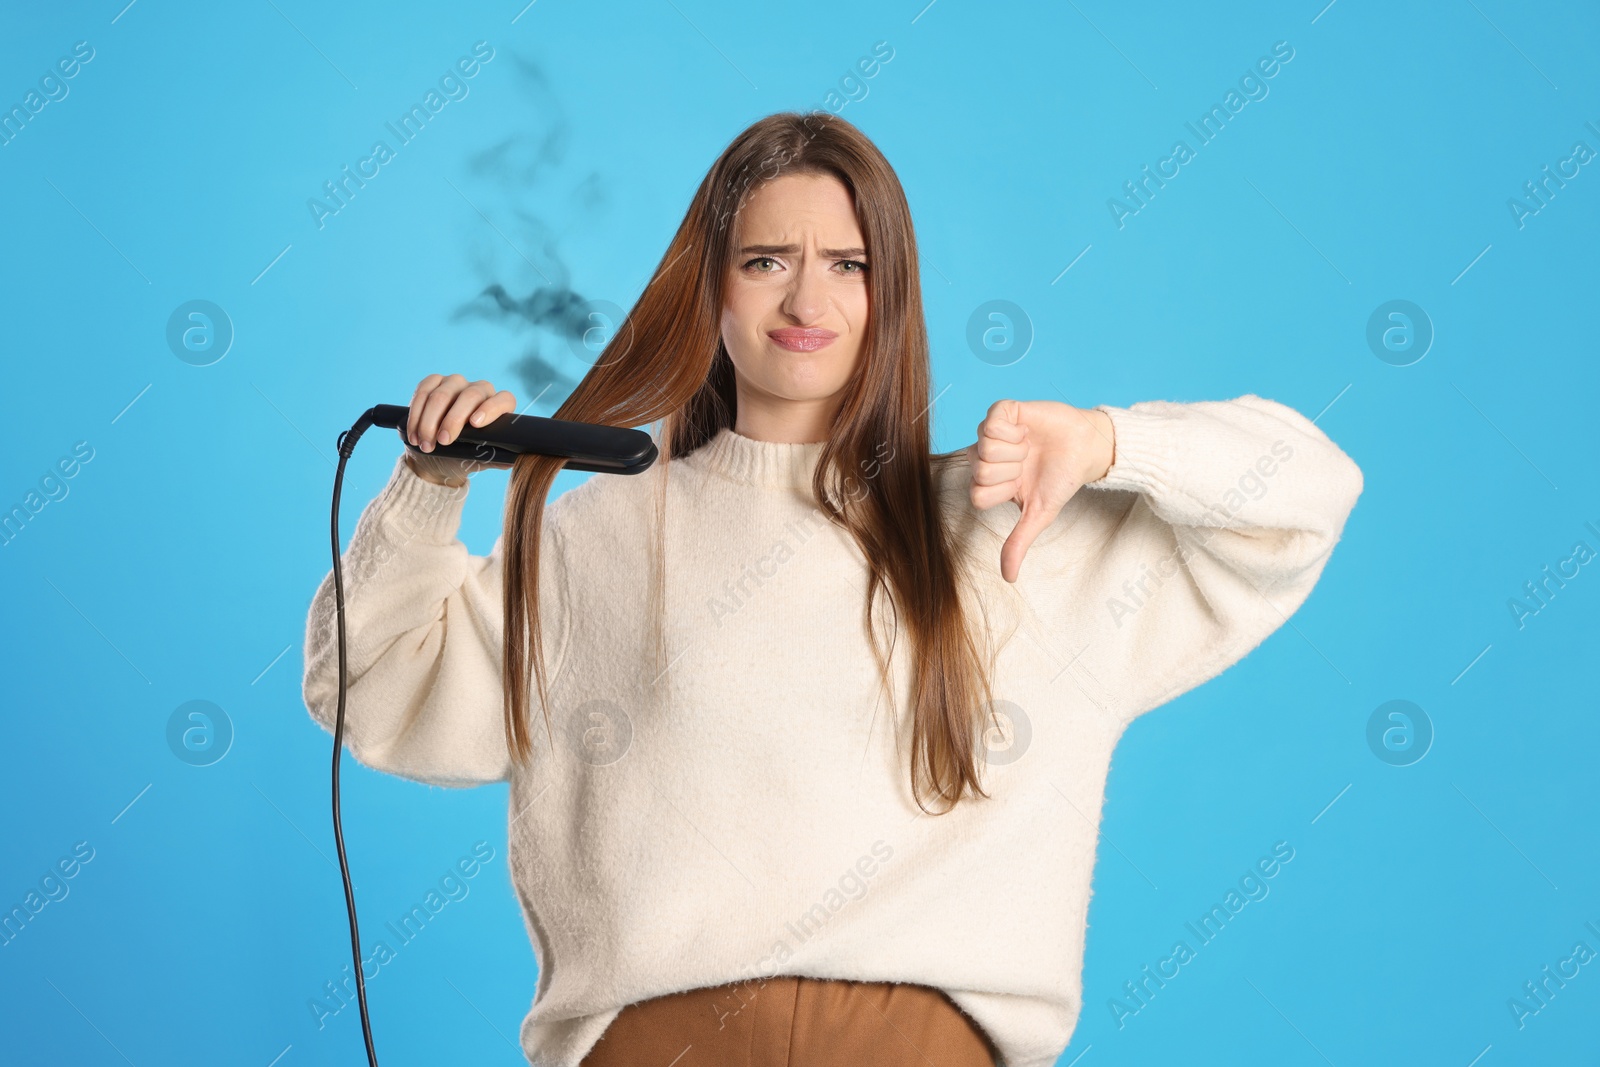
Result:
x=744 y=810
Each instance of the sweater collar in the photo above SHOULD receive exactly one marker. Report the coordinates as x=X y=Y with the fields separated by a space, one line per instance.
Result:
x=764 y=463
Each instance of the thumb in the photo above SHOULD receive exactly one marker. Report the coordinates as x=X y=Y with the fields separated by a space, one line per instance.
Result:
x=1035 y=517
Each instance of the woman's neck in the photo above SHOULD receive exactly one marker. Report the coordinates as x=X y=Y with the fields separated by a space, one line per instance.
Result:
x=785 y=421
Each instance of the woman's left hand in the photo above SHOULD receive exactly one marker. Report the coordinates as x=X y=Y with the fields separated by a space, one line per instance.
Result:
x=1037 y=453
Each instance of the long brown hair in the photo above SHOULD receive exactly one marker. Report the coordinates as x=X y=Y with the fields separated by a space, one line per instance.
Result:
x=666 y=361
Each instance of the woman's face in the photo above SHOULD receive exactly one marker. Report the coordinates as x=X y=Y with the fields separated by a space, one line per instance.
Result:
x=794 y=309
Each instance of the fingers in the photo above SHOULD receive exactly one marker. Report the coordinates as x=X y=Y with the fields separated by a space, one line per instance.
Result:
x=999 y=457
x=434 y=397
x=501 y=403
x=1002 y=445
x=997 y=461
x=987 y=496
x=1003 y=422
x=461 y=407
x=442 y=405
x=424 y=387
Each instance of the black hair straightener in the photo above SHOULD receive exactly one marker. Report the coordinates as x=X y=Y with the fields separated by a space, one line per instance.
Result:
x=585 y=446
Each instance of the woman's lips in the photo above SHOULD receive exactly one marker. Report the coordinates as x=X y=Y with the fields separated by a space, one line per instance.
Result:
x=798 y=340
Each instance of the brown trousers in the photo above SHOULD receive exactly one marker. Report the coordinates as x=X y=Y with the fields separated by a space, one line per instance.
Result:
x=789 y=1021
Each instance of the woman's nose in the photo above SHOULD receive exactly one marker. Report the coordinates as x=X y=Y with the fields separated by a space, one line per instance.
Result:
x=807 y=297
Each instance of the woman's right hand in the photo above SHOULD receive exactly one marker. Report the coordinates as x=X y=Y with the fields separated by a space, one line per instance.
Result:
x=440 y=407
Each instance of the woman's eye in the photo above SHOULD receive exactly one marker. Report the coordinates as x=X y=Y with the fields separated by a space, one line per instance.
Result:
x=862 y=267
x=760 y=259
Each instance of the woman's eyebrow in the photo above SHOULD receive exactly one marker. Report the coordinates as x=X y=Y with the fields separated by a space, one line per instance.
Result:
x=770 y=250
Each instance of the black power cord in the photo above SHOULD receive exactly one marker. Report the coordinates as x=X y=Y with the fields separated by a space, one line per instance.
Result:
x=581 y=446
x=347 y=445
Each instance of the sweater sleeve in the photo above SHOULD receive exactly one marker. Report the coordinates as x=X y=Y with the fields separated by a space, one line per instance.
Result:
x=1217 y=520
x=425 y=630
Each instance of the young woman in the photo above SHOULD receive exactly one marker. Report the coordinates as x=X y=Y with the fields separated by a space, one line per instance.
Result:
x=826 y=718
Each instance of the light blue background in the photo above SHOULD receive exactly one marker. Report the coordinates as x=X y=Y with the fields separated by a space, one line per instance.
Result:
x=180 y=564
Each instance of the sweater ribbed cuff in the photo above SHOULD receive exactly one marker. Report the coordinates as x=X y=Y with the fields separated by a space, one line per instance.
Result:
x=1143 y=451
x=416 y=509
